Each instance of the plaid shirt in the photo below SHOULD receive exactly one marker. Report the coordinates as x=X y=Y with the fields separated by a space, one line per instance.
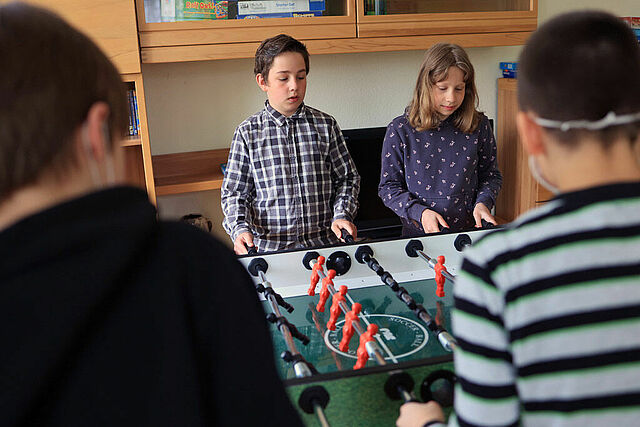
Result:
x=288 y=179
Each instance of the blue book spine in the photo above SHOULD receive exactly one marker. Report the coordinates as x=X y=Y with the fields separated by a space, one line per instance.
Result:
x=130 y=113
x=132 y=109
x=135 y=106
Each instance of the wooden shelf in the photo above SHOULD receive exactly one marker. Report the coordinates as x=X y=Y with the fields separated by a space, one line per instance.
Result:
x=186 y=172
x=131 y=141
x=207 y=52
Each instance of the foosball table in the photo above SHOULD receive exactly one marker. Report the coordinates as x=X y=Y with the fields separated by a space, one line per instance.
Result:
x=361 y=328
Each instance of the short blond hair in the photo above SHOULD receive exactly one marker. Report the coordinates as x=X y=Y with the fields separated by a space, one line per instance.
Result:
x=421 y=111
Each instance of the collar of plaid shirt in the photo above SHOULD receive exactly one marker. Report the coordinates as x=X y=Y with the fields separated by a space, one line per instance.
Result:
x=280 y=118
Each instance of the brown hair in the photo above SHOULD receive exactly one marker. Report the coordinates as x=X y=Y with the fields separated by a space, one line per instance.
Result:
x=595 y=69
x=51 y=75
x=274 y=46
x=421 y=111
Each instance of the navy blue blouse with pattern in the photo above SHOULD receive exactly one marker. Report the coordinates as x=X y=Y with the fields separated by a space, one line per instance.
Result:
x=442 y=169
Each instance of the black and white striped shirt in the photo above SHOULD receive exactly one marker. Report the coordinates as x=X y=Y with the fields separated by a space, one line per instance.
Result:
x=288 y=179
x=548 y=316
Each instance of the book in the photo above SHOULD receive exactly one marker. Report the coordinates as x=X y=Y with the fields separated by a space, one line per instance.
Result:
x=131 y=113
x=282 y=15
x=223 y=168
x=135 y=110
x=278 y=6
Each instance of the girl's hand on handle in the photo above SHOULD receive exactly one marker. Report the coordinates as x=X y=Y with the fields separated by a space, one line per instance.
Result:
x=480 y=212
x=431 y=221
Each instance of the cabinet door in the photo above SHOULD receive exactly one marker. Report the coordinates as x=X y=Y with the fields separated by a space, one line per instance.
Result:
x=110 y=24
x=381 y=18
x=183 y=26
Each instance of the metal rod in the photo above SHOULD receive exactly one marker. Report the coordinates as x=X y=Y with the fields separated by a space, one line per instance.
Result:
x=322 y=417
x=372 y=346
x=358 y=327
x=300 y=368
x=433 y=263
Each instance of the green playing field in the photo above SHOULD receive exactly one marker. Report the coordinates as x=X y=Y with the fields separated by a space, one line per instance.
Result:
x=357 y=398
x=402 y=336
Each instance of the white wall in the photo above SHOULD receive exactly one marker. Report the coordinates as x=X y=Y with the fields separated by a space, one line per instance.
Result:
x=197 y=105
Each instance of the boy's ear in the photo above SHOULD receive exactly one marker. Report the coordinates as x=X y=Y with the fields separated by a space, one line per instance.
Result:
x=531 y=134
x=262 y=83
x=97 y=129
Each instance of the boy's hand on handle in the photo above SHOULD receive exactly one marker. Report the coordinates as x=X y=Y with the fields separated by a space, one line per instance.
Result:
x=480 y=212
x=339 y=224
x=416 y=414
x=243 y=241
x=431 y=221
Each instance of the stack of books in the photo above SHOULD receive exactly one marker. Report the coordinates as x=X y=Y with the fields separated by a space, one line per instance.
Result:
x=134 y=119
x=509 y=70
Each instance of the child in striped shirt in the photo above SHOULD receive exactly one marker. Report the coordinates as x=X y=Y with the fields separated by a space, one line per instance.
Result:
x=548 y=308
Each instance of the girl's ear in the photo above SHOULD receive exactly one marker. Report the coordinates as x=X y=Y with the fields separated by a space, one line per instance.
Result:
x=531 y=134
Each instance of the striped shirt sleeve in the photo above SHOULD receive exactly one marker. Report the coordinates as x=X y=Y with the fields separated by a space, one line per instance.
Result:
x=485 y=393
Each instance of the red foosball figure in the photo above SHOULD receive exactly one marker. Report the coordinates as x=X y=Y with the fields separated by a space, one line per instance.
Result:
x=347 y=329
x=440 y=279
x=363 y=355
x=338 y=297
x=314 y=276
x=324 y=293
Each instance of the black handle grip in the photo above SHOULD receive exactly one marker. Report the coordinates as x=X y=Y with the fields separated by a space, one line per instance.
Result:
x=439 y=386
x=251 y=250
x=346 y=236
x=486 y=224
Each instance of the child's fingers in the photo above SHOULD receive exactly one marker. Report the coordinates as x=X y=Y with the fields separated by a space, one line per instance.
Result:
x=441 y=220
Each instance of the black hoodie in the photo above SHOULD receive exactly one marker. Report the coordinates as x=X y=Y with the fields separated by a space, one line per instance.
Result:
x=110 y=317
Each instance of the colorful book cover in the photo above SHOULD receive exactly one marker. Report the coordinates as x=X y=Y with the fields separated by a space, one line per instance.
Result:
x=187 y=10
x=278 y=6
x=282 y=15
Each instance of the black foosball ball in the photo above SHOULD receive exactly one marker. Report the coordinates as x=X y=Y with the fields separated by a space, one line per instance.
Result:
x=360 y=329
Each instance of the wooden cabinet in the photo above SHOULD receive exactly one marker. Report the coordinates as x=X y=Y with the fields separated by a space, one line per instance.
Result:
x=520 y=192
x=384 y=18
x=237 y=38
x=346 y=27
x=112 y=26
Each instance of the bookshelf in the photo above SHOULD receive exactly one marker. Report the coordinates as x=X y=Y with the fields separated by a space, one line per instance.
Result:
x=137 y=148
x=112 y=26
x=187 y=172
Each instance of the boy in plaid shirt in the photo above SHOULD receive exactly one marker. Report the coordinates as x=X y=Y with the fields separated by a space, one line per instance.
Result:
x=290 y=181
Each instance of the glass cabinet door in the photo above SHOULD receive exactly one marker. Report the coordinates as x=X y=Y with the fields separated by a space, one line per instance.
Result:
x=397 y=7
x=207 y=10
x=185 y=30
x=381 y=18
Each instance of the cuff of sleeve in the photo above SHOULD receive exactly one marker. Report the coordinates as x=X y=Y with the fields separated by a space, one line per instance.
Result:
x=239 y=230
x=415 y=212
x=342 y=215
x=485 y=200
x=434 y=424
